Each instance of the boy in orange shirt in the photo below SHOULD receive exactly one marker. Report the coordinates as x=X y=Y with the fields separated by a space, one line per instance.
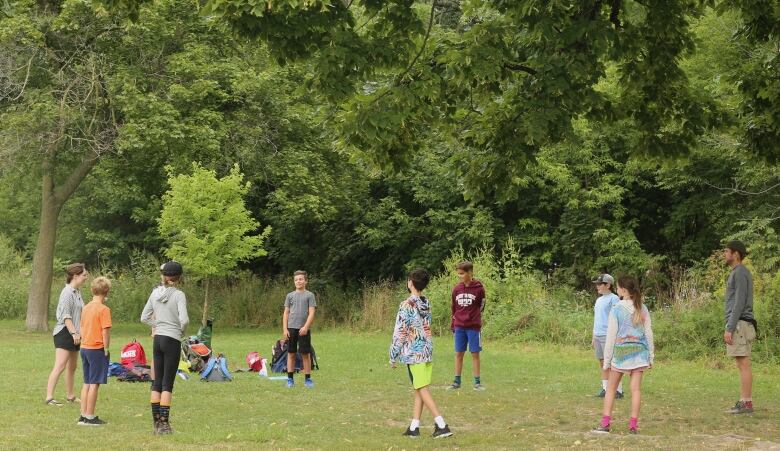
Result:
x=95 y=327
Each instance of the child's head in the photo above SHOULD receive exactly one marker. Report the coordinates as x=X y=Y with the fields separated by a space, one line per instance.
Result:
x=300 y=278
x=100 y=286
x=76 y=273
x=465 y=270
x=171 y=272
x=604 y=283
x=628 y=288
x=418 y=279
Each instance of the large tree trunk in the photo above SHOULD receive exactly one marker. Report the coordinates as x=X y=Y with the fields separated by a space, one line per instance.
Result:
x=43 y=261
x=52 y=200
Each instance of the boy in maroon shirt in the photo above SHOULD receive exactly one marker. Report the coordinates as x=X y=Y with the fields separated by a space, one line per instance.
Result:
x=468 y=302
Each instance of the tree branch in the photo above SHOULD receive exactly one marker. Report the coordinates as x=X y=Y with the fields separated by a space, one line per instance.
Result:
x=63 y=192
x=520 y=68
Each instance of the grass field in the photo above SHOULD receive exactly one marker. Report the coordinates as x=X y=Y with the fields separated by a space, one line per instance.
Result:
x=538 y=397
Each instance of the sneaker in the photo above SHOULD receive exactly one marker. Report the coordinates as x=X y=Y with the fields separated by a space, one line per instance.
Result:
x=441 y=432
x=97 y=422
x=309 y=383
x=290 y=383
x=633 y=431
x=74 y=400
x=412 y=433
x=52 y=402
x=601 y=430
x=601 y=394
x=454 y=386
x=619 y=395
x=741 y=407
x=82 y=421
x=479 y=387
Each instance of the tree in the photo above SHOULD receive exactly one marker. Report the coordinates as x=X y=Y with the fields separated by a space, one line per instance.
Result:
x=206 y=223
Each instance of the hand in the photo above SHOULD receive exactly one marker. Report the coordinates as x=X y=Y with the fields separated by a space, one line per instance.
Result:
x=108 y=355
x=304 y=330
x=593 y=341
x=286 y=334
x=728 y=338
x=76 y=339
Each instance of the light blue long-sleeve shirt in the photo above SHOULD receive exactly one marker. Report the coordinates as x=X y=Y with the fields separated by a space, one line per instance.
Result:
x=601 y=311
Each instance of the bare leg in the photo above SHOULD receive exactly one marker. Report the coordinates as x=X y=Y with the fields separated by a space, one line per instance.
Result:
x=427 y=399
x=85 y=399
x=60 y=362
x=306 y=363
x=70 y=373
x=609 y=399
x=165 y=398
x=604 y=373
x=636 y=395
x=745 y=378
x=155 y=398
x=290 y=362
x=418 y=406
x=475 y=363
x=459 y=363
x=91 y=398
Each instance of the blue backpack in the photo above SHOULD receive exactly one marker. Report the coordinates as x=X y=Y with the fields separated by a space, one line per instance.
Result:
x=216 y=370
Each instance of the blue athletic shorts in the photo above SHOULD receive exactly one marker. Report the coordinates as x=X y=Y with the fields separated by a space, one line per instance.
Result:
x=470 y=337
x=95 y=365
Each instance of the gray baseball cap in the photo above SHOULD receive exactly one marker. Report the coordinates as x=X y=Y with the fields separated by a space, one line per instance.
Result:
x=605 y=278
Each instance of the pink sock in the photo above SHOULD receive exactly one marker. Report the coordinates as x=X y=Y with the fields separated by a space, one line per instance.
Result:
x=632 y=423
x=605 y=420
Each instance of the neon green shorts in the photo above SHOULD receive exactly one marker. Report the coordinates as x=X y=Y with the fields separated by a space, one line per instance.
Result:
x=421 y=374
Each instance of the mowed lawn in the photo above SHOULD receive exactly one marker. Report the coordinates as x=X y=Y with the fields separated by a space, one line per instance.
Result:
x=537 y=396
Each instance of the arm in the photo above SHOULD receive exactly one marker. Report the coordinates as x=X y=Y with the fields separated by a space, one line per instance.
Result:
x=399 y=335
x=147 y=316
x=740 y=289
x=106 y=339
x=184 y=319
x=286 y=315
x=309 y=320
x=482 y=302
x=609 y=346
x=649 y=335
x=452 y=308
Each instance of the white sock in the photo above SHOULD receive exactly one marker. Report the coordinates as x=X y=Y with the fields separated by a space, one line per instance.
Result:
x=440 y=421
x=89 y=417
x=415 y=424
x=604 y=384
x=620 y=387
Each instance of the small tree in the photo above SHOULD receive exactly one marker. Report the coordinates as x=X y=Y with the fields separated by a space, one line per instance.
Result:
x=206 y=224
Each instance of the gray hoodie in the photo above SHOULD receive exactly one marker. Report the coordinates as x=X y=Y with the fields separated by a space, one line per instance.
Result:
x=166 y=311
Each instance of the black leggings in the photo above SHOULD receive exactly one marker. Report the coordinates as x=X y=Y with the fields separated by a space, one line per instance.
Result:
x=166 y=362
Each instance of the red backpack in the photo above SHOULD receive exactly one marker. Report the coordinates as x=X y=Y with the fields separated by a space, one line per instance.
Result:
x=133 y=354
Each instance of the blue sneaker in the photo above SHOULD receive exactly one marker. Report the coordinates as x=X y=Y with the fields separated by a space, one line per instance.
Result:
x=309 y=383
x=290 y=383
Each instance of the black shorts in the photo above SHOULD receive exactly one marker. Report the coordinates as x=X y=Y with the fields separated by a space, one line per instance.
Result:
x=299 y=343
x=64 y=340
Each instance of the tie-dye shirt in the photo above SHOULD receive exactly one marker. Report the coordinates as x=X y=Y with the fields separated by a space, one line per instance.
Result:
x=629 y=346
x=412 y=338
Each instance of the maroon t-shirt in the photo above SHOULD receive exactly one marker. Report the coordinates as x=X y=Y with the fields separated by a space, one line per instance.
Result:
x=467 y=305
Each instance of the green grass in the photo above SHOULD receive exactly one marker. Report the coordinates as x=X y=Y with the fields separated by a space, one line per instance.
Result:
x=538 y=396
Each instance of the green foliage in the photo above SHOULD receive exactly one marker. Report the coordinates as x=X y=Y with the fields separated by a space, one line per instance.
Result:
x=207 y=224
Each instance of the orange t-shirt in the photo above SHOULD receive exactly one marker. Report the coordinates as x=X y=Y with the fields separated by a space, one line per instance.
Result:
x=94 y=318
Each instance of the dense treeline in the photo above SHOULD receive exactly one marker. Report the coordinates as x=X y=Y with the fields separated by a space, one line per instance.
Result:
x=646 y=175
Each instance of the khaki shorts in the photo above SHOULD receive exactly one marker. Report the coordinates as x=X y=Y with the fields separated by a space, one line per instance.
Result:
x=742 y=340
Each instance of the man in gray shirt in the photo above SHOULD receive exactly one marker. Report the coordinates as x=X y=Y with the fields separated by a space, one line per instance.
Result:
x=299 y=307
x=740 y=324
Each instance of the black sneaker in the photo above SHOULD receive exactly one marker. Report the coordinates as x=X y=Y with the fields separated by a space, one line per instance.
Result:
x=441 y=432
x=601 y=394
x=601 y=430
x=96 y=422
x=165 y=428
x=741 y=407
x=82 y=421
x=454 y=386
x=619 y=395
x=412 y=433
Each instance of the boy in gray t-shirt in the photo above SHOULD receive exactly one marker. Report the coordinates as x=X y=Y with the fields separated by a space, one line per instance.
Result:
x=299 y=306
